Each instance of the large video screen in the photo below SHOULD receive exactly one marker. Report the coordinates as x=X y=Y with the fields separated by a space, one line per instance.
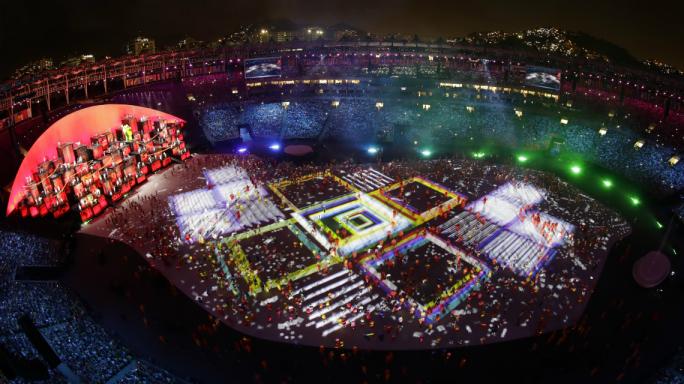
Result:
x=542 y=77
x=263 y=67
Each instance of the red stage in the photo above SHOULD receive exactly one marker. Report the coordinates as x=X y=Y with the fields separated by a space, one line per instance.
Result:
x=93 y=156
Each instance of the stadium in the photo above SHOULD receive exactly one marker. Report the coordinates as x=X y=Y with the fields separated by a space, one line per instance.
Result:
x=342 y=210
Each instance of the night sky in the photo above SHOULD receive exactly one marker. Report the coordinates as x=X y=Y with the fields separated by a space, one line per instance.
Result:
x=32 y=29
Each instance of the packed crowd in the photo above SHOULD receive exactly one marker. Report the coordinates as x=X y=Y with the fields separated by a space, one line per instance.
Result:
x=145 y=372
x=84 y=346
x=96 y=356
x=501 y=308
x=219 y=122
x=595 y=225
x=87 y=349
x=26 y=249
x=672 y=372
x=513 y=307
x=469 y=120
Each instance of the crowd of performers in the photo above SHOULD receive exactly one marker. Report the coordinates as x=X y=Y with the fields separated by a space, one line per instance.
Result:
x=504 y=305
x=519 y=306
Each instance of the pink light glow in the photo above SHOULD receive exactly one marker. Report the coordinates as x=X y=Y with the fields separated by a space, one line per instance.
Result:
x=78 y=126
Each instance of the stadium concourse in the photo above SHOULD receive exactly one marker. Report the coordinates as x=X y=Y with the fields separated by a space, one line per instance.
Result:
x=463 y=223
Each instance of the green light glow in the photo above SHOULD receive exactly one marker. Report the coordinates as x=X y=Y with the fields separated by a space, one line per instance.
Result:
x=635 y=200
x=659 y=225
x=607 y=183
x=522 y=158
x=478 y=155
x=426 y=152
x=576 y=169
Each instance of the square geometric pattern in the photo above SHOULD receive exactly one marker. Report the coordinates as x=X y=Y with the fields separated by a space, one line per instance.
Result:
x=418 y=198
x=432 y=276
x=272 y=258
x=351 y=223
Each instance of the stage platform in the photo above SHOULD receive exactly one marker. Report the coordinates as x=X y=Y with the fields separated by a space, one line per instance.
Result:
x=398 y=256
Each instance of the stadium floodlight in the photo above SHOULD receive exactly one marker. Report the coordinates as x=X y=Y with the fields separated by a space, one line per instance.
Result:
x=242 y=150
x=274 y=147
x=372 y=150
x=426 y=152
x=607 y=183
x=522 y=158
x=634 y=200
x=576 y=169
